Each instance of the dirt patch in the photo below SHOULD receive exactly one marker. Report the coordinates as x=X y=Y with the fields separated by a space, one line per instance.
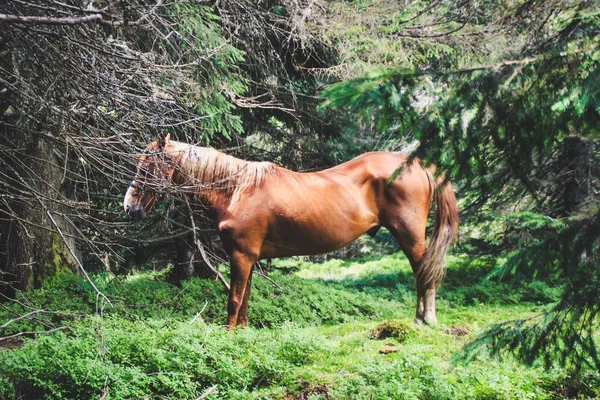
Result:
x=307 y=390
x=388 y=350
x=458 y=331
x=391 y=329
x=12 y=343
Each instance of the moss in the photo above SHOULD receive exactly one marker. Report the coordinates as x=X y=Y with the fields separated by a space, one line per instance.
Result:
x=58 y=259
x=391 y=329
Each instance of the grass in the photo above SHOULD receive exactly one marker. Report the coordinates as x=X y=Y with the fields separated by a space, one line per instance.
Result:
x=312 y=339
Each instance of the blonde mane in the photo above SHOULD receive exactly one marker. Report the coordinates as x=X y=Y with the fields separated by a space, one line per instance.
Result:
x=213 y=169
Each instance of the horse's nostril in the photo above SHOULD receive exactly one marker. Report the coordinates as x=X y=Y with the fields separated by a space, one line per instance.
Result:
x=127 y=208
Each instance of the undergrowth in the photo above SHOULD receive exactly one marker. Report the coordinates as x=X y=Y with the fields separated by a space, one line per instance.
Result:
x=312 y=337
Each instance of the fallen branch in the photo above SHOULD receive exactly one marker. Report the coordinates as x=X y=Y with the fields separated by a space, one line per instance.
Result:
x=21 y=317
x=199 y=313
x=213 y=269
x=31 y=333
x=104 y=392
x=209 y=391
x=263 y=275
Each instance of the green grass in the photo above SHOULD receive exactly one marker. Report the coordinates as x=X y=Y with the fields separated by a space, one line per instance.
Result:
x=312 y=339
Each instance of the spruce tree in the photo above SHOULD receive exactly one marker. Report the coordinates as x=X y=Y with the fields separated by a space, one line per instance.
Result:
x=520 y=131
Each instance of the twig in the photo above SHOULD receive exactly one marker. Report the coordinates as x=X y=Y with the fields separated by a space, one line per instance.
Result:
x=17 y=19
x=209 y=391
x=418 y=36
x=267 y=278
x=21 y=317
x=104 y=392
x=199 y=313
x=31 y=333
x=213 y=269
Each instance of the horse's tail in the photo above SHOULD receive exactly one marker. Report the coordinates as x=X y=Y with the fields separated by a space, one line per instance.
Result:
x=445 y=230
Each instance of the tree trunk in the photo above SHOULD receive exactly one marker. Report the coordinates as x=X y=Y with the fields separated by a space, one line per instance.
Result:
x=576 y=163
x=32 y=248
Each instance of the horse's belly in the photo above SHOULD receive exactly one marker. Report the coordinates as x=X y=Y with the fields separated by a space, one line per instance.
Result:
x=316 y=214
x=313 y=237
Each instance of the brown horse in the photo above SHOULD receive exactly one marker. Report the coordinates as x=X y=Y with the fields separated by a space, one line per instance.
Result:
x=262 y=210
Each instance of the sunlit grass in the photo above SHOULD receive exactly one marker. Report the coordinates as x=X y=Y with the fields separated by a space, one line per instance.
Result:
x=339 y=270
x=311 y=337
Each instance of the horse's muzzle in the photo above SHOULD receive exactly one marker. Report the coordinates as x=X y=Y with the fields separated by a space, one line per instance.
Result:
x=135 y=212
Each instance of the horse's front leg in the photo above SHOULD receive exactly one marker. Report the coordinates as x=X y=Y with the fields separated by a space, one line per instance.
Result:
x=242 y=318
x=241 y=270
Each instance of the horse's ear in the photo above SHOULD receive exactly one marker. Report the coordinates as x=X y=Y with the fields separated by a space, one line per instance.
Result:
x=164 y=139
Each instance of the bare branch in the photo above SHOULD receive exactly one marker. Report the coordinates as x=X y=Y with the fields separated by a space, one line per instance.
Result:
x=18 y=19
x=31 y=333
x=199 y=313
x=209 y=391
x=213 y=269
x=22 y=317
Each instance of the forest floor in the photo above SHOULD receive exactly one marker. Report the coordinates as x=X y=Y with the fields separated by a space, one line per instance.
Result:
x=336 y=329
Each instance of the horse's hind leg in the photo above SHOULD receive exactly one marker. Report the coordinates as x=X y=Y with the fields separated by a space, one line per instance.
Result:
x=411 y=238
x=425 y=292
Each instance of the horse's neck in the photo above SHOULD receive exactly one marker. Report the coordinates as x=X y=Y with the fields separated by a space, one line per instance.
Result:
x=213 y=177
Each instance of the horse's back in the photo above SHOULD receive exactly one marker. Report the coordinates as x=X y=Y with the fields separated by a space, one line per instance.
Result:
x=317 y=212
x=390 y=174
x=398 y=189
x=376 y=164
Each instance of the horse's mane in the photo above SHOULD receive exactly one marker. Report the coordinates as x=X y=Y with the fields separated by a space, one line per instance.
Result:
x=210 y=167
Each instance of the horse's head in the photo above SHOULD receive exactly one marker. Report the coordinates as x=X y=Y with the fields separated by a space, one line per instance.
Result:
x=154 y=172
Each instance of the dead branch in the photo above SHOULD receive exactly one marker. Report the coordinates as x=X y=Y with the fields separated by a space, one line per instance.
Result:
x=22 y=317
x=60 y=328
x=209 y=391
x=18 y=19
x=263 y=275
x=104 y=392
x=213 y=269
x=199 y=312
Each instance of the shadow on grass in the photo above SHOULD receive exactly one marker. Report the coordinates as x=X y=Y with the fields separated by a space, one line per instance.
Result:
x=385 y=290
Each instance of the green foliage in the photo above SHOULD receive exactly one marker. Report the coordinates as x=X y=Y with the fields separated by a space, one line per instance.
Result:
x=215 y=82
x=565 y=334
x=564 y=252
x=369 y=34
x=68 y=297
x=422 y=376
x=154 y=343
x=486 y=126
x=152 y=358
x=138 y=359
